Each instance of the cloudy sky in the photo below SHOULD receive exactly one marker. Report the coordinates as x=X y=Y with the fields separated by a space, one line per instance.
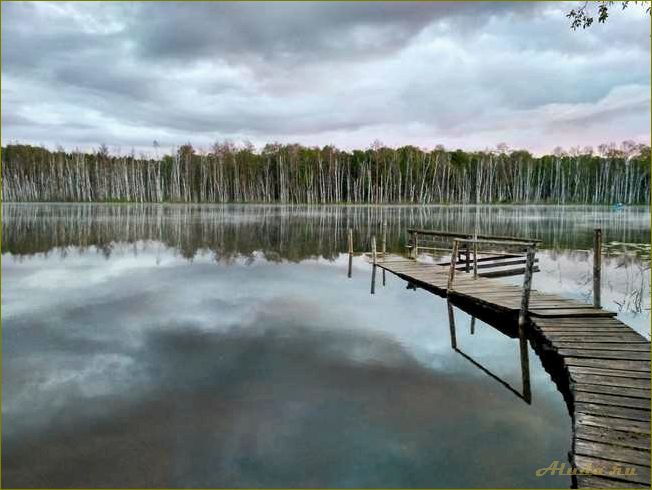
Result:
x=466 y=75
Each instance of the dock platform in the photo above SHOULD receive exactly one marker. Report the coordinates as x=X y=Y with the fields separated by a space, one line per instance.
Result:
x=606 y=365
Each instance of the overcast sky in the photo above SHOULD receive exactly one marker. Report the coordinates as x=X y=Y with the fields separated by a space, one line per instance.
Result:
x=467 y=75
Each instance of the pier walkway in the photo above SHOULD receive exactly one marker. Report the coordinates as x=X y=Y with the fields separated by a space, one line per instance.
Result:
x=605 y=363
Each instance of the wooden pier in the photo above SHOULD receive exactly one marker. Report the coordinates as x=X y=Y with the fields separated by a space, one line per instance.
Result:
x=605 y=365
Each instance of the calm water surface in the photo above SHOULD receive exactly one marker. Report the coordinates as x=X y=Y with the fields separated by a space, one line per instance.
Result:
x=208 y=346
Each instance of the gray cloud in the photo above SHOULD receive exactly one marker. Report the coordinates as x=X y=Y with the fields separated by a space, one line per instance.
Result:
x=461 y=74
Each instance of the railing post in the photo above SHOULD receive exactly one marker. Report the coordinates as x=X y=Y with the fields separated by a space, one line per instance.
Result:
x=527 y=286
x=597 y=266
x=451 y=271
x=415 y=243
x=475 y=258
x=522 y=318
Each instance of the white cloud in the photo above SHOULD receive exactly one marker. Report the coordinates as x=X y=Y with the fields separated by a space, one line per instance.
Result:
x=465 y=75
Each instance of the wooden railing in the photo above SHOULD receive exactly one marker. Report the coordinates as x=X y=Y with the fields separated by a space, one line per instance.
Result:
x=530 y=252
x=414 y=234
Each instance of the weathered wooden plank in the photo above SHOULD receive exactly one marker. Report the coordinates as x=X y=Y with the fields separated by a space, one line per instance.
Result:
x=614 y=400
x=607 y=337
x=613 y=437
x=609 y=364
x=628 y=346
x=584 y=328
x=609 y=411
x=594 y=481
x=606 y=422
x=610 y=381
x=589 y=330
x=605 y=354
x=612 y=453
x=585 y=312
x=608 y=372
x=575 y=320
x=610 y=469
x=613 y=390
x=507 y=272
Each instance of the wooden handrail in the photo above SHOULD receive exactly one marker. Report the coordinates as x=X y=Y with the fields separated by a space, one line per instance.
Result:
x=470 y=235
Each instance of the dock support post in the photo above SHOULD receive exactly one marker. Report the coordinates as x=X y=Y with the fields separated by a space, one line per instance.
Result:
x=350 y=238
x=467 y=253
x=475 y=259
x=522 y=319
x=597 y=266
x=451 y=324
x=384 y=247
x=451 y=271
x=373 y=259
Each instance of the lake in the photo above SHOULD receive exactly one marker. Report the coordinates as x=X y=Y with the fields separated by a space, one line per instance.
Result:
x=224 y=346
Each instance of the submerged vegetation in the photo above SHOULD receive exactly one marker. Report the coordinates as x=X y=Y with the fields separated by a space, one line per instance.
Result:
x=294 y=174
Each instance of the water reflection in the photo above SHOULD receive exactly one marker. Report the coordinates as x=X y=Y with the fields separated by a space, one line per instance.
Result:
x=146 y=370
x=210 y=346
x=526 y=392
x=295 y=233
x=299 y=232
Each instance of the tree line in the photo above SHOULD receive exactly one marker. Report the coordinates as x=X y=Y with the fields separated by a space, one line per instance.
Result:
x=294 y=174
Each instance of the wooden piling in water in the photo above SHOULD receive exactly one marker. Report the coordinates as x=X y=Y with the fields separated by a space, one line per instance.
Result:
x=451 y=324
x=597 y=266
x=350 y=239
x=373 y=259
x=522 y=320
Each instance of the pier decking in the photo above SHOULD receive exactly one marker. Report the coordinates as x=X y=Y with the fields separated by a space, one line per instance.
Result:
x=605 y=362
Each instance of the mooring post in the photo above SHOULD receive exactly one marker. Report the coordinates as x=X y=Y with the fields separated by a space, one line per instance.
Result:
x=373 y=249
x=522 y=319
x=451 y=271
x=597 y=266
x=467 y=253
x=350 y=252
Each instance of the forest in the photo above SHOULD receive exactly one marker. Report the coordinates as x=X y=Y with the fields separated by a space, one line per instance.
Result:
x=295 y=174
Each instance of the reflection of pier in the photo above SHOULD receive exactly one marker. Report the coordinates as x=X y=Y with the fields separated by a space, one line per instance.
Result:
x=526 y=394
x=605 y=364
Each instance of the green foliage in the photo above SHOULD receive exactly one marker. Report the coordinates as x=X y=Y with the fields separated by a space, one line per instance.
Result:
x=580 y=17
